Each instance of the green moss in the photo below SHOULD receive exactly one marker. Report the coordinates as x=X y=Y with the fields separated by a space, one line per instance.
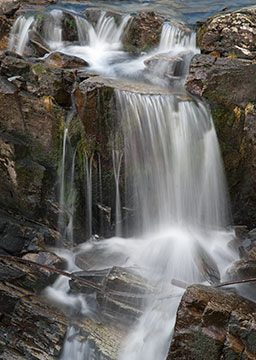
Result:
x=38 y=69
x=70 y=23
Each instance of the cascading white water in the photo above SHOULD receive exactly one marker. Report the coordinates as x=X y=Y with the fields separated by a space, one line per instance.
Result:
x=174 y=174
x=52 y=29
x=173 y=37
x=174 y=146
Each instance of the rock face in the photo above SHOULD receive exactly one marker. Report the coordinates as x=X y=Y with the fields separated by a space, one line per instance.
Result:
x=224 y=76
x=214 y=324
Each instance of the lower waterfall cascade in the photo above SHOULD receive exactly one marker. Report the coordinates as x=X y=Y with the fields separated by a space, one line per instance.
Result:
x=170 y=162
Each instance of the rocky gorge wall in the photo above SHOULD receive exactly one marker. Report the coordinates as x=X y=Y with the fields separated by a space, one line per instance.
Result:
x=224 y=75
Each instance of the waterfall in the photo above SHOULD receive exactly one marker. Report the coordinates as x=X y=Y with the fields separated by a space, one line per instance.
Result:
x=170 y=164
x=173 y=146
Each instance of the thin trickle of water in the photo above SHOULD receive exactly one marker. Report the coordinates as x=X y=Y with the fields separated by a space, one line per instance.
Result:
x=83 y=28
x=67 y=190
x=117 y=157
x=88 y=176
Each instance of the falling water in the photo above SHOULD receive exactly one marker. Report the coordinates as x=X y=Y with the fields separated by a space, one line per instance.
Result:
x=20 y=34
x=52 y=29
x=173 y=37
x=67 y=189
x=88 y=199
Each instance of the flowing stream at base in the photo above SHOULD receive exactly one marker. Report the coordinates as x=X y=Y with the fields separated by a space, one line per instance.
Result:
x=173 y=171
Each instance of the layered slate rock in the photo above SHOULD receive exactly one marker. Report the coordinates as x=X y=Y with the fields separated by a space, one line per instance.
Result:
x=214 y=324
x=224 y=76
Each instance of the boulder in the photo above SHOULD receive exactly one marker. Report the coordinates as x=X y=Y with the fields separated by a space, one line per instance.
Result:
x=230 y=35
x=144 y=32
x=60 y=60
x=213 y=324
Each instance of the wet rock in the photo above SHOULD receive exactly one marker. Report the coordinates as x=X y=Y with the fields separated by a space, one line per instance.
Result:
x=38 y=43
x=167 y=64
x=232 y=34
x=164 y=64
x=40 y=336
x=213 y=324
x=96 y=259
x=29 y=277
x=96 y=277
x=60 y=60
x=229 y=80
x=144 y=32
x=206 y=265
x=123 y=295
